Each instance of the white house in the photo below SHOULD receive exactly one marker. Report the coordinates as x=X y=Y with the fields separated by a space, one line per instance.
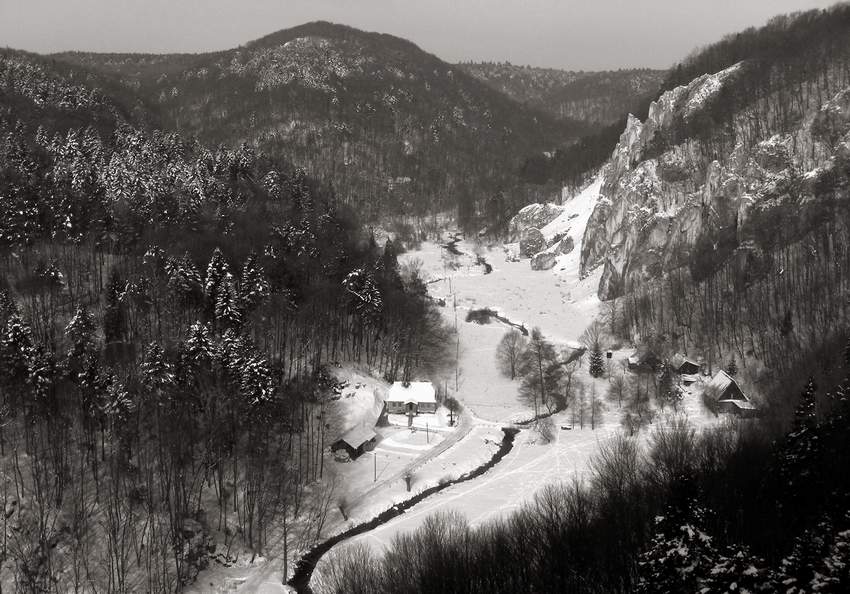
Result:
x=411 y=398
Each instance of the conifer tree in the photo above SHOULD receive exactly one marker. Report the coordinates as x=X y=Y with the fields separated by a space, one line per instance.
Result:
x=227 y=311
x=254 y=286
x=732 y=368
x=597 y=363
x=217 y=272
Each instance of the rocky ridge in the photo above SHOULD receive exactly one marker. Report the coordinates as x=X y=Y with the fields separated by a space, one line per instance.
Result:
x=656 y=206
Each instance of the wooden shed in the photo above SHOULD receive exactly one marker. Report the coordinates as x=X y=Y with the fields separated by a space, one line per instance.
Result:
x=683 y=365
x=355 y=441
x=724 y=393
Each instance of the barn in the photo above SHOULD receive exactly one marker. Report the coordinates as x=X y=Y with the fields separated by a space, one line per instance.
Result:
x=724 y=393
x=683 y=365
x=411 y=398
x=355 y=441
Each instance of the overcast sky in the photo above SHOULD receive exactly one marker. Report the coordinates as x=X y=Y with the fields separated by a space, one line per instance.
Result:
x=573 y=34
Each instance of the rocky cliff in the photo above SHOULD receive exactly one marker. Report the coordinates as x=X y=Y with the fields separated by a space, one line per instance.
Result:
x=668 y=200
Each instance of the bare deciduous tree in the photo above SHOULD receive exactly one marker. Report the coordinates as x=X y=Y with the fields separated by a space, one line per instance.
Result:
x=509 y=352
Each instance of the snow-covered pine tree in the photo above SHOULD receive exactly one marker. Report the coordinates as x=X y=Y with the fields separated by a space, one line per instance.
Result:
x=184 y=279
x=256 y=383
x=680 y=554
x=80 y=332
x=157 y=373
x=227 y=311
x=366 y=298
x=254 y=287
x=42 y=379
x=732 y=368
x=597 y=363
x=16 y=352
x=200 y=349
x=217 y=271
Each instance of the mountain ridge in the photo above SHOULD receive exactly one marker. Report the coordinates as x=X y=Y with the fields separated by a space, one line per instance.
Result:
x=358 y=109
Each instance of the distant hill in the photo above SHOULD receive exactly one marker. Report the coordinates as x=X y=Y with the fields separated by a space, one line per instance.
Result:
x=392 y=128
x=593 y=97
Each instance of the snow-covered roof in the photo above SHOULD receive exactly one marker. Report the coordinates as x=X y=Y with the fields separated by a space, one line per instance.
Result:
x=357 y=436
x=743 y=404
x=720 y=382
x=679 y=359
x=417 y=392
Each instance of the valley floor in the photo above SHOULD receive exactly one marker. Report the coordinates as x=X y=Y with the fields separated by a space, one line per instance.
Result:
x=558 y=302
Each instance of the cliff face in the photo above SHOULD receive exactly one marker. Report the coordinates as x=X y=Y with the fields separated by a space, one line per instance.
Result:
x=662 y=198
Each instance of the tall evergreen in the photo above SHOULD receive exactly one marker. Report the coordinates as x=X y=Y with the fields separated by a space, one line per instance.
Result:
x=597 y=361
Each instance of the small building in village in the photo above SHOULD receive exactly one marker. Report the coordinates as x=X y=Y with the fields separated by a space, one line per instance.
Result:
x=725 y=395
x=686 y=368
x=411 y=398
x=355 y=441
x=683 y=365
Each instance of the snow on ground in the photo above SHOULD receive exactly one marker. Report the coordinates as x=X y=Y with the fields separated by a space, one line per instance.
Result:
x=526 y=469
x=558 y=302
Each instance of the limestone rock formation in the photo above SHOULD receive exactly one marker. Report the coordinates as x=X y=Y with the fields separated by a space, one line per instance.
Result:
x=531 y=242
x=661 y=202
x=543 y=261
x=534 y=216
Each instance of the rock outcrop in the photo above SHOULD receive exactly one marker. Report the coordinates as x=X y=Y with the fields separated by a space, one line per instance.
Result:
x=531 y=242
x=661 y=202
x=533 y=216
x=566 y=245
x=543 y=261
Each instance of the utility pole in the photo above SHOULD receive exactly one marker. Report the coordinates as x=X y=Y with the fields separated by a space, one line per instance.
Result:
x=375 y=460
x=427 y=435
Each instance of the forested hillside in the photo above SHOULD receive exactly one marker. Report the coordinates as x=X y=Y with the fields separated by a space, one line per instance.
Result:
x=597 y=98
x=167 y=313
x=394 y=129
x=725 y=216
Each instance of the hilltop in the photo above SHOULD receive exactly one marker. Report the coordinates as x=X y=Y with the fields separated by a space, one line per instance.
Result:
x=393 y=128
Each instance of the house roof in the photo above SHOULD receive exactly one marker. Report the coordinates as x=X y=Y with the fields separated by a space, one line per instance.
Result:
x=743 y=404
x=721 y=382
x=679 y=359
x=417 y=392
x=357 y=436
